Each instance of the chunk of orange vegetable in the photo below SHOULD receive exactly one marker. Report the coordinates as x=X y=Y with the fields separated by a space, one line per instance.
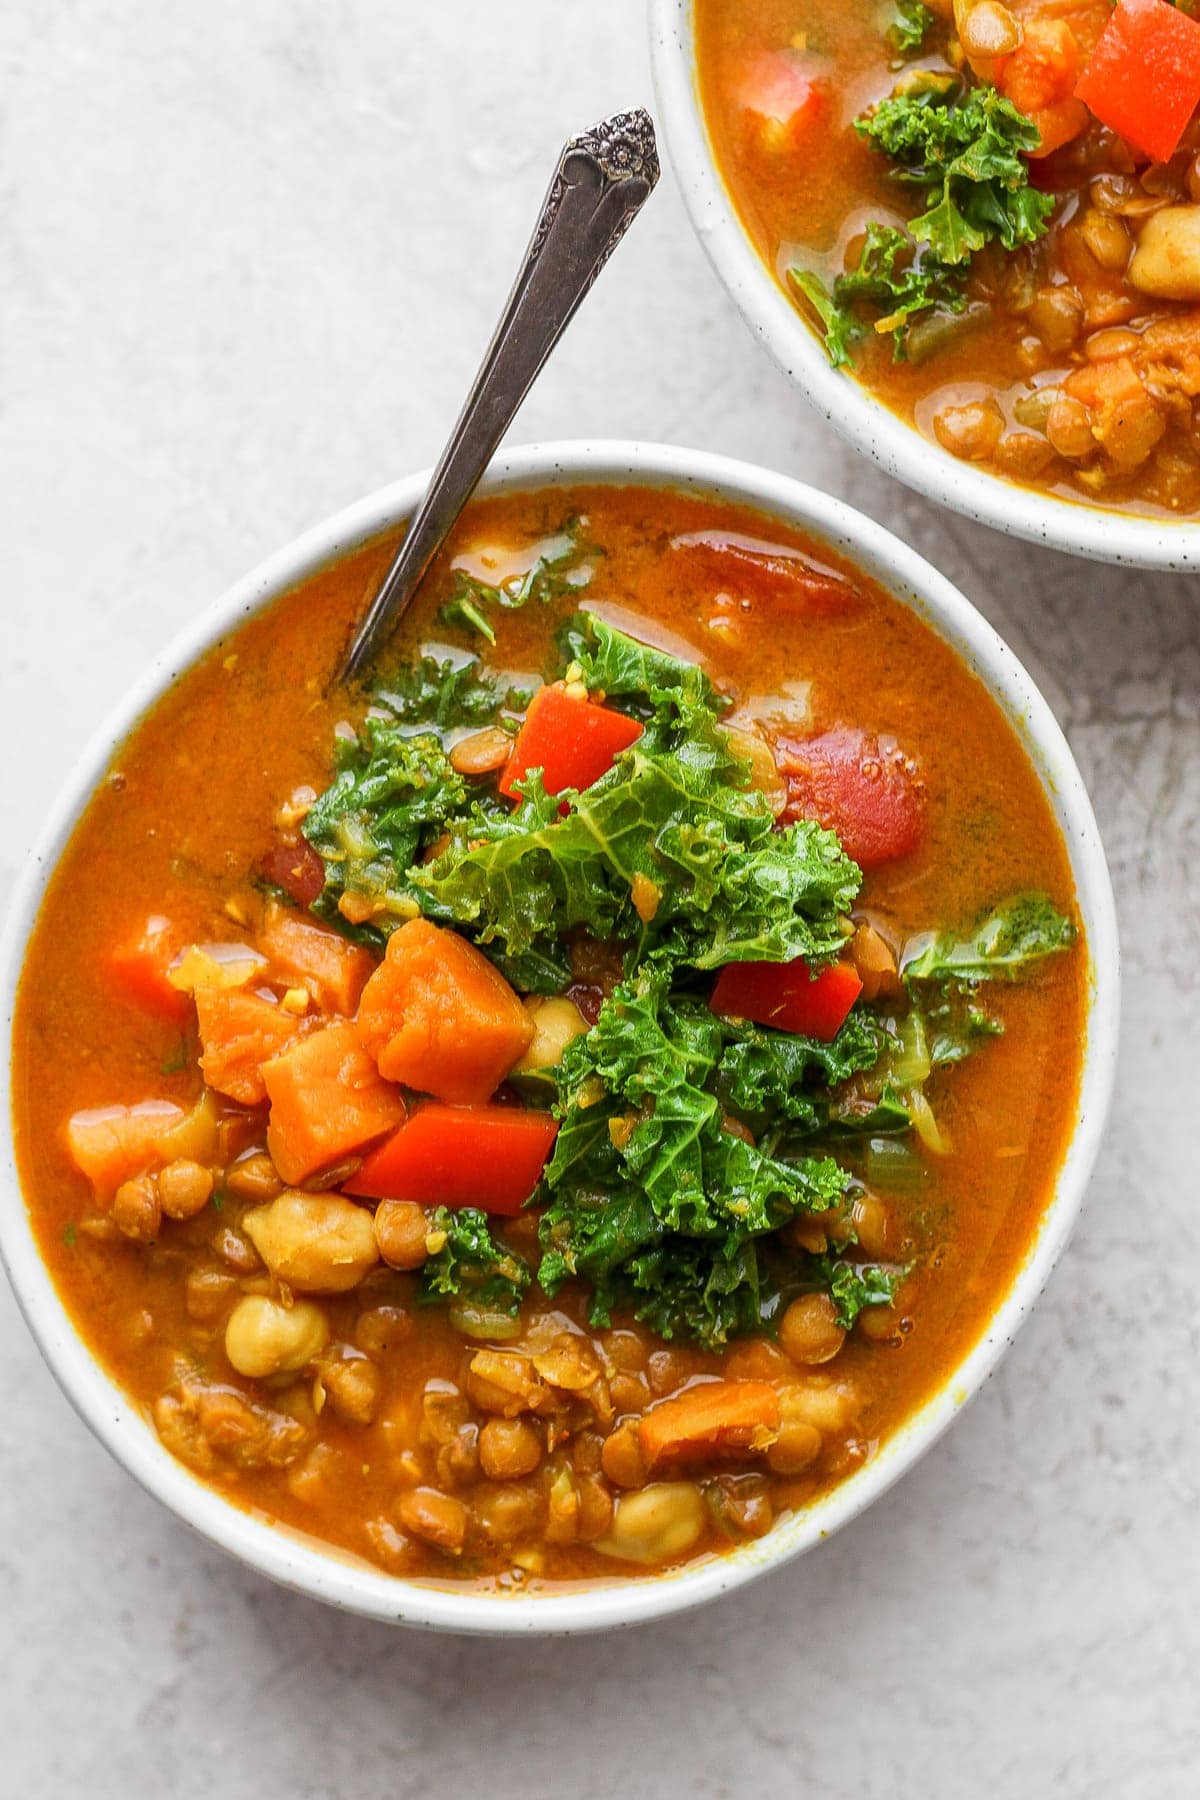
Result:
x=111 y=1144
x=1039 y=78
x=327 y=1102
x=239 y=1032
x=336 y=971
x=438 y=1017
x=1143 y=77
x=736 y=1419
x=138 y=967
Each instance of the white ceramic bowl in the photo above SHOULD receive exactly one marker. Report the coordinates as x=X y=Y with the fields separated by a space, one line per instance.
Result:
x=298 y=1563
x=1109 y=536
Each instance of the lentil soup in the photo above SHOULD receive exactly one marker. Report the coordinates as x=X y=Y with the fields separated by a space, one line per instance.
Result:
x=990 y=211
x=546 y=1115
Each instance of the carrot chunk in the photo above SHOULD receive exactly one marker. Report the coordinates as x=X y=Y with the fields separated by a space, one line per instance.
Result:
x=570 y=739
x=486 y=1156
x=337 y=971
x=109 y=1144
x=438 y=1017
x=327 y=1101
x=138 y=967
x=239 y=1032
x=737 y=1419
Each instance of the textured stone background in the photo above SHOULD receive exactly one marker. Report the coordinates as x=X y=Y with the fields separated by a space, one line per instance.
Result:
x=249 y=255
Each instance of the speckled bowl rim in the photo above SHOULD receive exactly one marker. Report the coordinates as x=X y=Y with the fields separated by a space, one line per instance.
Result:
x=297 y=1562
x=899 y=448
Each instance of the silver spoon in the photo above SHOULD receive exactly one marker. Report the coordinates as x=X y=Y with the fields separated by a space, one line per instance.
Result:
x=603 y=178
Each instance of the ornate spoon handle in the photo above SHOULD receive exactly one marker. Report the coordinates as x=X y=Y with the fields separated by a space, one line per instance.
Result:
x=603 y=178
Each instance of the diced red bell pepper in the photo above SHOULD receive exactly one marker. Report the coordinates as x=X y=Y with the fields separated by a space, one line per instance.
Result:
x=846 y=781
x=788 y=996
x=571 y=740
x=1143 y=77
x=491 y=1157
x=139 y=969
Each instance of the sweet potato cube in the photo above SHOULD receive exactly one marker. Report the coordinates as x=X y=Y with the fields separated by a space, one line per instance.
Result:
x=109 y=1144
x=714 y=1419
x=438 y=1017
x=327 y=1102
x=336 y=971
x=239 y=1032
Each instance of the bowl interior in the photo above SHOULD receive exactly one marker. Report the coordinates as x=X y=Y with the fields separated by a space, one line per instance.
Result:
x=333 y=1576
x=1108 y=535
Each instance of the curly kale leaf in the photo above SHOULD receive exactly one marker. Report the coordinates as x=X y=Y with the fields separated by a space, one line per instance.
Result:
x=967 y=153
x=673 y=815
x=392 y=794
x=648 y=682
x=1012 y=939
x=651 y=1199
x=909 y=27
x=563 y=565
x=469 y=1264
x=443 y=693
x=782 y=1075
x=853 y=1286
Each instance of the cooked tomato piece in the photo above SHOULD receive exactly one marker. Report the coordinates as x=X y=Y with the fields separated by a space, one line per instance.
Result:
x=847 y=781
x=787 y=94
x=788 y=995
x=294 y=866
x=758 y=575
x=570 y=739
x=486 y=1156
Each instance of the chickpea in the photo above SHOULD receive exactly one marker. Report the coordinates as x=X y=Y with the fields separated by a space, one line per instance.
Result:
x=317 y=1243
x=352 y=1385
x=556 y=1023
x=627 y=1349
x=184 y=1188
x=136 y=1210
x=655 y=1524
x=824 y=1404
x=264 y=1338
x=629 y=1393
x=809 y=1331
x=438 y=1519
x=621 y=1457
x=1166 y=262
x=970 y=431
x=666 y=1369
x=254 y=1178
x=236 y=1250
x=509 y=1447
x=482 y=752
x=400 y=1231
